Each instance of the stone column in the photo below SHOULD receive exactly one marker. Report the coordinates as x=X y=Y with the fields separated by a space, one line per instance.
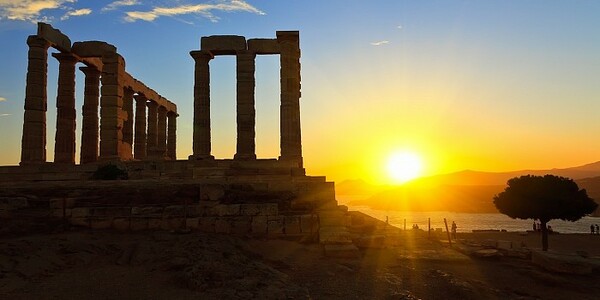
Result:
x=128 y=123
x=140 y=126
x=89 y=127
x=161 y=133
x=246 y=113
x=33 y=142
x=291 y=141
x=201 y=142
x=152 y=137
x=111 y=108
x=172 y=135
x=64 y=147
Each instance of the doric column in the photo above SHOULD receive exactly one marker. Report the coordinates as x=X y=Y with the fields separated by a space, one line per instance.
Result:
x=172 y=135
x=33 y=142
x=140 y=126
x=89 y=127
x=201 y=142
x=111 y=108
x=128 y=123
x=64 y=147
x=246 y=114
x=152 y=137
x=161 y=133
x=291 y=141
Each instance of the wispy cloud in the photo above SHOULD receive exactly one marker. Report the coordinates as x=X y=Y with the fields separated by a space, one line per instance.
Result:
x=399 y=26
x=204 y=10
x=120 y=3
x=380 y=43
x=2 y=99
x=78 y=12
x=29 y=10
x=5 y=115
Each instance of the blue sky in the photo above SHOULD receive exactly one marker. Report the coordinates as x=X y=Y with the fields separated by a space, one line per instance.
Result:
x=486 y=85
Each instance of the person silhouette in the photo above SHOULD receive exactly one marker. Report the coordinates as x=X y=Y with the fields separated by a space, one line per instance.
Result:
x=453 y=230
x=592 y=229
x=597 y=229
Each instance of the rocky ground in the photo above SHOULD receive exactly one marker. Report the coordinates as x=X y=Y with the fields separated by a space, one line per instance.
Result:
x=73 y=263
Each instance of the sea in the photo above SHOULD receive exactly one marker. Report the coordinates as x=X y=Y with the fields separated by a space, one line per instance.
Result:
x=465 y=222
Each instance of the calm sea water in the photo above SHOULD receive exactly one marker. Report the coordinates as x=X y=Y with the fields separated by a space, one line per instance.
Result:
x=466 y=221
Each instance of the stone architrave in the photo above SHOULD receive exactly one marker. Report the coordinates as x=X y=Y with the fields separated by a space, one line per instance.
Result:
x=128 y=122
x=246 y=113
x=89 y=127
x=140 y=126
x=111 y=108
x=201 y=139
x=152 y=137
x=64 y=148
x=172 y=135
x=33 y=143
x=161 y=133
x=291 y=141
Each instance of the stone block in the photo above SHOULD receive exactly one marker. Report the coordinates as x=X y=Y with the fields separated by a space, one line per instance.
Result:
x=138 y=224
x=223 y=44
x=334 y=235
x=207 y=224
x=80 y=221
x=154 y=223
x=13 y=203
x=309 y=223
x=54 y=36
x=112 y=90
x=110 y=211
x=227 y=210
x=36 y=103
x=60 y=213
x=275 y=225
x=332 y=218
x=147 y=211
x=92 y=48
x=62 y=202
x=173 y=223
x=101 y=222
x=80 y=212
x=504 y=245
x=222 y=225
x=35 y=90
x=249 y=209
x=268 y=209
x=174 y=210
x=120 y=224
x=192 y=223
x=292 y=225
x=259 y=225
x=264 y=46
x=241 y=225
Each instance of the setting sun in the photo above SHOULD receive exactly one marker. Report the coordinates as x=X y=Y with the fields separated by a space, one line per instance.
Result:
x=404 y=166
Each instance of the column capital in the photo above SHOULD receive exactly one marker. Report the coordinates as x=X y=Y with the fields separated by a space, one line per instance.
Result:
x=248 y=53
x=36 y=41
x=201 y=55
x=65 y=57
x=172 y=114
x=140 y=98
x=151 y=104
x=90 y=71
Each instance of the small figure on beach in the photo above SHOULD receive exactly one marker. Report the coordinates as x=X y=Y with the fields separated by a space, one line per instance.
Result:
x=597 y=229
x=387 y=220
x=453 y=230
x=534 y=226
x=592 y=229
x=415 y=226
x=550 y=229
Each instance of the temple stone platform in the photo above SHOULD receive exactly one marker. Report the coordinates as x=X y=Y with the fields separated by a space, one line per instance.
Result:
x=258 y=198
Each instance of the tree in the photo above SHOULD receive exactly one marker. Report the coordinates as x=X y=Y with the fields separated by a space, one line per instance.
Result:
x=544 y=198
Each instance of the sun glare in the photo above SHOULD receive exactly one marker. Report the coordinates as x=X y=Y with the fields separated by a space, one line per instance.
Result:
x=404 y=166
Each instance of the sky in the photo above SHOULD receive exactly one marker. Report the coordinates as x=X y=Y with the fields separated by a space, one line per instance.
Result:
x=481 y=85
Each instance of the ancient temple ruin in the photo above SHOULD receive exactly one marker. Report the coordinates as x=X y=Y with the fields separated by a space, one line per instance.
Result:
x=112 y=137
x=244 y=195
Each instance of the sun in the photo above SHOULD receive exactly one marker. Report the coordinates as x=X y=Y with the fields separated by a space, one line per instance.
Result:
x=404 y=166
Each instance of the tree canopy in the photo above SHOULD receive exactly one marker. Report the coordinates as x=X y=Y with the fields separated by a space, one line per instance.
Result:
x=544 y=198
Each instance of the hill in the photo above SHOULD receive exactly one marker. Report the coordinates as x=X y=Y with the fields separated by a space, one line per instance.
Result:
x=465 y=191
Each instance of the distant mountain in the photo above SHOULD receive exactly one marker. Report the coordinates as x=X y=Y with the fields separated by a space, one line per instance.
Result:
x=469 y=177
x=465 y=191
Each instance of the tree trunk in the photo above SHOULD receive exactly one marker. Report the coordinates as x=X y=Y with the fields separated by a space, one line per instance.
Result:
x=544 y=235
